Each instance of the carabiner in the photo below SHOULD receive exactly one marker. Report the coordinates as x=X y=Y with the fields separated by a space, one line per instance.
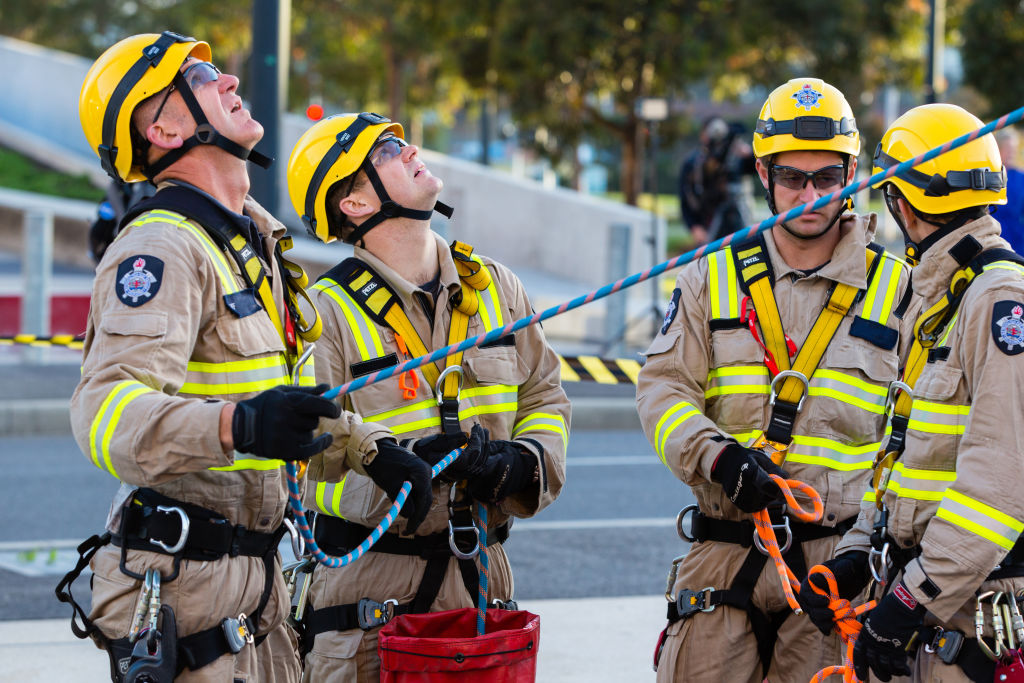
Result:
x=172 y=549
x=298 y=542
x=789 y=537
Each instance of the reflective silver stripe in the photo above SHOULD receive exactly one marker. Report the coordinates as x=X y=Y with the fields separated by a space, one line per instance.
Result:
x=328 y=497
x=848 y=389
x=979 y=518
x=937 y=418
x=814 y=450
x=107 y=417
x=881 y=295
x=490 y=304
x=919 y=484
x=483 y=400
x=234 y=377
x=737 y=379
x=364 y=330
x=723 y=287
x=542 y=422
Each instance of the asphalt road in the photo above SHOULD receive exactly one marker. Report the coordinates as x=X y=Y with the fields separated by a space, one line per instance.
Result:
x=611 y=533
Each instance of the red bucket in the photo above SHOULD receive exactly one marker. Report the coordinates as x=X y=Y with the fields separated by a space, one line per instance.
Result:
x=443 y=647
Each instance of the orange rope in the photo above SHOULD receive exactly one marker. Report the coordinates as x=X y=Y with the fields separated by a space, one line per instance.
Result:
x=847 y=625
x=767 y=534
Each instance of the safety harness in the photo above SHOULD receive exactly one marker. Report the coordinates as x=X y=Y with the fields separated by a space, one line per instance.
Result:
x=788 y=390
x=377 y=299
x=887 y=558
x=153 y=522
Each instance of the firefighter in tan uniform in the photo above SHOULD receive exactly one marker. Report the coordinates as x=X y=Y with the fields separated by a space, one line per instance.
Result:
x=404 y=293
x=714 y=401
x=187 y=393
x=947 y=529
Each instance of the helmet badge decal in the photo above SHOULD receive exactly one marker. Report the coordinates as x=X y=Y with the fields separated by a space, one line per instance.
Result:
x=807 y=97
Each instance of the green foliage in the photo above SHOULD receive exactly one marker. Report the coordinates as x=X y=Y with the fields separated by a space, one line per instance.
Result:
x=993 y=49
x=18 y=173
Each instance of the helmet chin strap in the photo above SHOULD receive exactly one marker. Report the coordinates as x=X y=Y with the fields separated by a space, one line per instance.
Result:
x=913 y=251
x=205 y=134
x=770 y=197
x=390 y=208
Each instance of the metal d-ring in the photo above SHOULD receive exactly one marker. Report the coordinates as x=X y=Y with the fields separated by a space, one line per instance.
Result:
x=782 y=375
x=681 y=518
x=439 y=385
x=890 y=397
x=172 y=549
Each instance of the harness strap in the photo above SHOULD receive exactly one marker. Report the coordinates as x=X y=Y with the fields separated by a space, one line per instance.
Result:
x=86 y=550
x=757 y=280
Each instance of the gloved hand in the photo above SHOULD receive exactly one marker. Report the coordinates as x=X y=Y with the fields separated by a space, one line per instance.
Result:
x=392 y=467
x=432 y=449
x=882 y=643
x=852 y=574
x=743 y=473
x=279 y=422
x=495 y=469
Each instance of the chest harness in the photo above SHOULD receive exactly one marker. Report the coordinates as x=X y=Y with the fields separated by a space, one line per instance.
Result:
x=337 y=536
x=156 y=523
x=788 y=390
x=887 y=558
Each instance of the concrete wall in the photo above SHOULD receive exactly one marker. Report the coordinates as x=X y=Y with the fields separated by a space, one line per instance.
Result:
x=559 y=241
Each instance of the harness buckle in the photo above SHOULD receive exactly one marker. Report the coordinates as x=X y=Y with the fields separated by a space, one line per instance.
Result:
x=775 y=450
x=775 y=527
x=371 y=614
x=237 y=632
x=182 y=537
x=782 y=375
x=978 y=179
x=681 y=519
x=945 y=645
x=690 y=602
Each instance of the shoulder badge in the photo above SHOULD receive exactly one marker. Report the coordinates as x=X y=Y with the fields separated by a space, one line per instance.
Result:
x=138 y=279
x=1007 y=327
x=670 y=312
x=807 y=97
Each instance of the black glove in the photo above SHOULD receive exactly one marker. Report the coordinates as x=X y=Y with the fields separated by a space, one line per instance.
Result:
x=392 y=467
x=432 y=449
x=279 y=422
x=495 y=469
x=882 y=643
x=743 y=474
x=852 y=574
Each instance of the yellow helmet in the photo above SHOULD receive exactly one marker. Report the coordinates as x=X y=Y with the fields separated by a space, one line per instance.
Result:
x=126 y=74
x=806 y=114
x=970 y=175
x=331 y=150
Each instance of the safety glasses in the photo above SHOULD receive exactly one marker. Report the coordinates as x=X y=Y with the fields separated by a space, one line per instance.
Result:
x=196 y=76
x=386 y=149
x=826 y=178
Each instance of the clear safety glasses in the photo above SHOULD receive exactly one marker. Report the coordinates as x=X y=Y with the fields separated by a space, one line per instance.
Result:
x=386 y=149
x=196 y=75
x=827 y=178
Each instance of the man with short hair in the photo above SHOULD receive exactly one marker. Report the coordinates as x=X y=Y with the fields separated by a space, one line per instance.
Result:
x=194 y=389
x=403 y=294
x=946 y=531
x=774 y=358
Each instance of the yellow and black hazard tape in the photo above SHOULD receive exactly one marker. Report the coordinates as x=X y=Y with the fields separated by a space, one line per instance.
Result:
x=602 y=370
x=68 y=340
x=574 y=368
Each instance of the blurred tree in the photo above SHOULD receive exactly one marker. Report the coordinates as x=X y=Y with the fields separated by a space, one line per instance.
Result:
x=993 y=50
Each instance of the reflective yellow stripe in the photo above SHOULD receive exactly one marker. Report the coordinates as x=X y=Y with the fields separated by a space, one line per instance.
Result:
x=737 y=379
x=328 y=497
x=722 y=285
x=235 y=377
x=490 y=306
x=251 y=463
x=363 y=328
x=838 y=385
x=105 y=422
x=881 y=295
x=551 y=422
x=813 y=450
x=661 y=432
x=937 y=418
x=979 y=518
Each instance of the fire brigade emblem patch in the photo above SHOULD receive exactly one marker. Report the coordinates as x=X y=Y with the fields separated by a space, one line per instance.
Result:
x=1008 y=327
x=807 y=97
x=138 y=279
x=671 y=310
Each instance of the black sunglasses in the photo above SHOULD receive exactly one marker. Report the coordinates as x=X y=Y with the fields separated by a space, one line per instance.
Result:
x=795 y=179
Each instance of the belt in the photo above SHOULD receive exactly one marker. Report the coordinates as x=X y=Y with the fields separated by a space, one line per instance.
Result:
x=704 y=528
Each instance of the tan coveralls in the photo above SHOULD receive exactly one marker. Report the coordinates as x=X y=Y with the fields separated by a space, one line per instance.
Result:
x=956 y=490
x=154 y=380
x=511 y=390
x=701 y=387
